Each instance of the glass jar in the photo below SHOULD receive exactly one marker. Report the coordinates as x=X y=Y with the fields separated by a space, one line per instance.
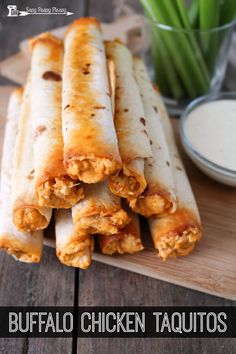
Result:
x=188 y=63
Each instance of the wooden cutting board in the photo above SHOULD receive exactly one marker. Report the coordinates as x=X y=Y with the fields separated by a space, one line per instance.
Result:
x=211 y=268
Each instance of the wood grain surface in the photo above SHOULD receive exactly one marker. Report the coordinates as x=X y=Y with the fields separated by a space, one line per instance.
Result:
x=49 y=283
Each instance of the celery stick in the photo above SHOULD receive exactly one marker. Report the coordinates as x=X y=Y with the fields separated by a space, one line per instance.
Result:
x=156 y=14
x=209 y=13
x=160 y=75
x=227 y=11
x=205 y=78
x=183 y=13
x=209 y=18
x=197 y=69
x=193 y=12
x=167 y=66
x=199 y=80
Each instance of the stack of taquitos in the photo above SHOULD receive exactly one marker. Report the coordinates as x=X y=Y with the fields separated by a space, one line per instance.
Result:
x=107 y=135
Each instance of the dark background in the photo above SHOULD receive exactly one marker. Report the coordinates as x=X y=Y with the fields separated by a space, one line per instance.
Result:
x=52 y=284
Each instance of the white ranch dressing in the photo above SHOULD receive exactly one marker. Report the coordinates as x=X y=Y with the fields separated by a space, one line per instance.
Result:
x=211 y=129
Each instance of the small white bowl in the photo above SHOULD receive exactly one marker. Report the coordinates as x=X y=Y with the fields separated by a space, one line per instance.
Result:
x=211 y=169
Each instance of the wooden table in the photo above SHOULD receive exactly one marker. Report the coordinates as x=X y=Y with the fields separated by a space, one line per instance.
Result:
x=50 y=283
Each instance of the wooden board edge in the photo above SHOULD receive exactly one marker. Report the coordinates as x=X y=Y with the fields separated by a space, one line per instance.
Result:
x=140 y=269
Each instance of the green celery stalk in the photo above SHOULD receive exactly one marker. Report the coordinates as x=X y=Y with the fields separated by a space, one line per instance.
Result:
x=157 y=14
x=164 y=62
x=204 y=74
x=183 y=13
x=190 y=49
x=193 y=13
x=165 y=65
x=184 y=57
x=209 y=13
x=209 y=17
x=227 y=11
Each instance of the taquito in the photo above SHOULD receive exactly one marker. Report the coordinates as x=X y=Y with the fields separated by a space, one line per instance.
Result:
x=176 y=234
x=127 y=240
x=90 y=143
x=26 y=213
x=159 y=197
x=132 y=135
x=23 y=246
x=112 y=82
x=53 y=187
x=72 y=248
x=99 y=212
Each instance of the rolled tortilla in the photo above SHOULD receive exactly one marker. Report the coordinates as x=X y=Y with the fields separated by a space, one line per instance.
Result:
x=133 y=139
x=23 y=246
x=54 y=188
x=127 y=240
x=72 y=248
x=176 y=234
x=26 y=213
x=112 y=83
x=91 y=148
x=99 y=212
x=159 y=197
